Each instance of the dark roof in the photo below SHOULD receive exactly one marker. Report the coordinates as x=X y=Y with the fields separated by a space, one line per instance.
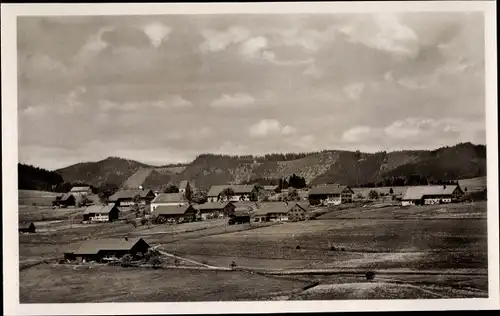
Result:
x=213 y=205
x=268 y=208
x=64 y=197
x=25 y=225
x=129 y=194
x=169 y=198
x=215 y=190
x=303 y=205
x=171 y=209
x=99 y=209
x=241 y=212
x=92 y=247
x=326 y=189
x=417 y=192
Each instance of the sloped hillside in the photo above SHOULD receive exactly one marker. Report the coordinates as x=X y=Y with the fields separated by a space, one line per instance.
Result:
x=137 y=179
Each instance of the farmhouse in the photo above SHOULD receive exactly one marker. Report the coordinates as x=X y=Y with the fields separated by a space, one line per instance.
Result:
x=127 y=197
x=299 y=212
x=27 y=228
x=431 y=194
x=81 y=190
x=175 y=214
x=240 y=216
x=64 y=200
x=215 y=209
x=271 y=212
x=101 y=213
x=167 y=199
x=241 y=193
x=330 y=194
x=108 y=249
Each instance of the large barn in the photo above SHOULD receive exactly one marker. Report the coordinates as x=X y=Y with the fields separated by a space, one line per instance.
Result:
x=330 y=194
x=64 y=200
x=101 y=213
x=299 y=212
x=271 y=212
x=127 y=197
x=241 y=193
x=175 y=214
x=215 y=209
x=168 y=199
x=108 y=249
x=431 y=194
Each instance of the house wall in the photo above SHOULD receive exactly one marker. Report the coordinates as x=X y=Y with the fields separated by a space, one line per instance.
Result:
x=407 y=203
x=155 y=205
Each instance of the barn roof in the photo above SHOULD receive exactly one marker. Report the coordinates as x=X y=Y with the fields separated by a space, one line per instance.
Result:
x=241 y=212
x=101 y=209
x=80 y=189
x=303 y=205
x=171 y=209
x=92 y=247
x=213 y=205
x=169 y=198
x=325 y=189
x=129 y=194
x=25 y=225
x=215 y=190
x=268 y=208
x=64 y=197
x=417 y=192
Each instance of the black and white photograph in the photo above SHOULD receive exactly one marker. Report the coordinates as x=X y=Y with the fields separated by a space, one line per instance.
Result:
x=327 y=154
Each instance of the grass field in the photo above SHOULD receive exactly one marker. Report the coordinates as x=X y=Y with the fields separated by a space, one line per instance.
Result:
x=437 y=238
x=33 y=197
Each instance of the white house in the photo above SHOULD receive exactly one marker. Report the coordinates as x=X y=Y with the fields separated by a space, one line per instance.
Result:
x=168 y=199
x=241 y=193
x=431 y=194
x=331 y=194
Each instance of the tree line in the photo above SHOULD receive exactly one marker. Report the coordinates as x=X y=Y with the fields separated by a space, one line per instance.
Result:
x=410 y=180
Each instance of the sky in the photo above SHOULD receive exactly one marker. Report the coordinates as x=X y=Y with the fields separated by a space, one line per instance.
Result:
x=163 y=89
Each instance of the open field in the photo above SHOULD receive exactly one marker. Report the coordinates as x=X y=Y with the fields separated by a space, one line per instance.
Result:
x=33 y=197
x=399 y=241
x=473 y=184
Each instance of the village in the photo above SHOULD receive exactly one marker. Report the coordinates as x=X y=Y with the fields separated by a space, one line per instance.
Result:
x=235 y=204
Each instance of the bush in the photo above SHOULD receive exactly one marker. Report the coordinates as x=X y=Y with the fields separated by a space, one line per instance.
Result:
x=144 y=221
x=370 y=275
x=373 y=195
x=156 y=261
x=126 y=260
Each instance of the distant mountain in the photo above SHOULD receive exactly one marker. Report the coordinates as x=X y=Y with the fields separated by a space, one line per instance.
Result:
x=464 y=160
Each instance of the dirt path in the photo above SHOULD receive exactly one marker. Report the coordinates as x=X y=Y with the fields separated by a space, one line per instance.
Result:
x=189 y=260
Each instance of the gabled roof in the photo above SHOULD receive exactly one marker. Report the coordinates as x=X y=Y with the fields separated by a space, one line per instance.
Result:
x=64 y=197
x=326 y=189
x=213 y=205
x=215 y=190
x=80 y=189
x=172 y=209
x=241 y=212
x=169 y=198
x=92 y=247
x=183 y=184
x=129 y=194
x=303 y=205
x=99 y=209
x=25 y=225
x=417 y=192
x=268 y=208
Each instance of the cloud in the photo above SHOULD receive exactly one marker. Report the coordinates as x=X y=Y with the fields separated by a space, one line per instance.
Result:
x=267 y=127
x=386 y=33
x=94 y=45
x=313 y=71
x=256 y=48
x=354 y=90
x=358 y=134
x=237 y=100
x=157 y=33
x=215 y=41
x=168 y=103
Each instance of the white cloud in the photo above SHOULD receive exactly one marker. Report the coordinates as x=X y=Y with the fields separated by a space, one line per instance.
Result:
x=216 y=41
x=267 y=127
x=354 y=90
x=386 y=33
x=313 y=71
x=310 y=39
x=256 y=48
x=237 y=100
x=174 y=101
x=171 y=102
x=304 y=142
x=94 y=45
x=358 y=134
x=157 y=33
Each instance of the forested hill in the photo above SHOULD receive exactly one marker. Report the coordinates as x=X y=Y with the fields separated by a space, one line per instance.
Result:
x=34 y=178
x=354 y=168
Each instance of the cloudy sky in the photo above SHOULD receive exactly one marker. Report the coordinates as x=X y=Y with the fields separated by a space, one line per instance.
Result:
x=162 y=89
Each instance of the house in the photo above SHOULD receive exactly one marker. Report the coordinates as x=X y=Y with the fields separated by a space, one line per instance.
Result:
x=241 y=193
x=27 y=227
x=215 y=209
x=270 y=188
x=299 y=211
x=166 y=199
x=81 y=190
x=175 y=213
x=101 y=213
x=64 y=200
x=127 y=197
x=330 y=194
x=431 y=194
x=250 y=206
x=108 y=249
x=271 y=212
x=240 y=216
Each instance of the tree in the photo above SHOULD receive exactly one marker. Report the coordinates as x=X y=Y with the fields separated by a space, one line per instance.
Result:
x=373 y=195
x=199 y=196
x=126 y=260
x=144 y=221
x=391 y=191
x=188 y=194
x=293 y=195
x=359 y=196
x=171 y=188
x=226 y=193
x=106 y=190
x=156 y=262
